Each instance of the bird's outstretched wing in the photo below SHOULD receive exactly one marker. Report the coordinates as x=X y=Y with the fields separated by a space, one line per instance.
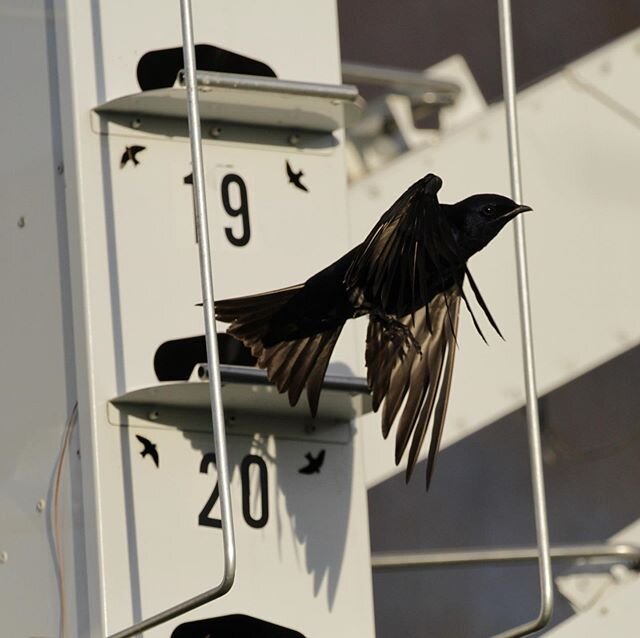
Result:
x=398 y=375
x=411 y=239
x=403 y=266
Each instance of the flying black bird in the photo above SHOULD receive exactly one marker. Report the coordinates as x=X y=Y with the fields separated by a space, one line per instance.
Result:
x=408 y=277
x=130 y=153
x=150 y=449
x=314 y=463
x=294 y=178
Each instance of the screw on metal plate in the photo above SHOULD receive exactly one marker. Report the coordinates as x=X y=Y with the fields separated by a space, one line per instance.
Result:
x=4 y=557
x=21 y=222
x=60 y=168
x=40 y=505
x=215 y=131
x=203 y=372
x=154 y=415
x=294 y=139
x=136 y=123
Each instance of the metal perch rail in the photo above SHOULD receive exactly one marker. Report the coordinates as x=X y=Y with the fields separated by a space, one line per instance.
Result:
x=533 y=422
x=206 y=276
x=391 y=561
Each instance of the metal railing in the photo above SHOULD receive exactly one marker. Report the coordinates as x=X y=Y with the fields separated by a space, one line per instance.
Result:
x=435 y=92
x=391 y=561
x=219 y=80
x=258 y=376
x=533 y=421
x=206 y=276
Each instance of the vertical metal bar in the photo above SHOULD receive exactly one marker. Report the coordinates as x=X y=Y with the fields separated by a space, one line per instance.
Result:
x=206 y=275
x=533 y=423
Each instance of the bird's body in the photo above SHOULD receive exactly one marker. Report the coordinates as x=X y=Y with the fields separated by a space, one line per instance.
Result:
x=408 y=277
x=324 y=302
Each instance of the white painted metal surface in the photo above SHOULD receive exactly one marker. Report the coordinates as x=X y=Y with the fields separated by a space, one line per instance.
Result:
x=36 y=335
x=249 y=100
x=143 y=537
x=610 y=611
x=337 y=406
x=606 y=601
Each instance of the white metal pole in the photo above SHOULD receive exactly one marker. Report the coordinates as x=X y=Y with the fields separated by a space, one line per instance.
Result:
x=206 y=274
x=533 y=422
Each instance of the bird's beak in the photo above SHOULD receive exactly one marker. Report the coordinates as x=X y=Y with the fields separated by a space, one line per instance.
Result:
x=516 y=211
x=520 y=209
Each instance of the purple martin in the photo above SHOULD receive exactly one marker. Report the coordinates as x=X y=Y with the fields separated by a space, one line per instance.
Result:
x=407 y=276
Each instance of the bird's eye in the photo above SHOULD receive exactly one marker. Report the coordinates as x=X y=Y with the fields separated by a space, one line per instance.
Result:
x=489 y=210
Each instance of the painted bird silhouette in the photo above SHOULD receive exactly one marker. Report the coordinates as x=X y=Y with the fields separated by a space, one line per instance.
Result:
x=408 y=276
x=314 y=463
x=294 y=178
x=130 y=153
x=149 y=448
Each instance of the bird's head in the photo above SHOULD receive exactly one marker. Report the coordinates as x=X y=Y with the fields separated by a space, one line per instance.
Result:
x=478 y=219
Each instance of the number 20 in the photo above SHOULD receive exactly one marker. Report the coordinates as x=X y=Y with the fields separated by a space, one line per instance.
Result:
x=242 y=210
x=249 y=460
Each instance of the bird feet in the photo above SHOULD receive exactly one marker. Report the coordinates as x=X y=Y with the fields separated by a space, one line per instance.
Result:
x=399 y=333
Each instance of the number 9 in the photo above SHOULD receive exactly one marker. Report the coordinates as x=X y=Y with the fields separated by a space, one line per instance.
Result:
x=242 y=210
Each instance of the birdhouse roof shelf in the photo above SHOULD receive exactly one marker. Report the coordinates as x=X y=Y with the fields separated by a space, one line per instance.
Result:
x=249 y=100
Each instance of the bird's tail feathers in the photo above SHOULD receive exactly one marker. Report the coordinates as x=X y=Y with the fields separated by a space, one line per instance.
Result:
x=229 y=310
x=291 y=365
x=294 y=365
